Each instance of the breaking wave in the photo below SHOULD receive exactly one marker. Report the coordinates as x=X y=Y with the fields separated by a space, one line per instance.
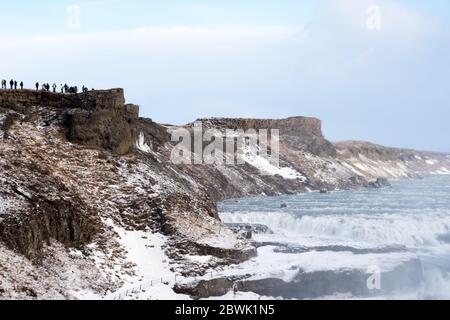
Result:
x=414 y=215
x=381 y=229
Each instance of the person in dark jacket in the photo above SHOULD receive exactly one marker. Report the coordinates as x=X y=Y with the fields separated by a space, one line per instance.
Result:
x=11 y=84
x=37 y=86
x=21 y=85
x=15 y=85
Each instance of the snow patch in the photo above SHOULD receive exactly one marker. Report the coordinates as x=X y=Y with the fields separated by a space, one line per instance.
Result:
x=154 y=278
x=267 y=168
x=6 y=204
x=142 y=145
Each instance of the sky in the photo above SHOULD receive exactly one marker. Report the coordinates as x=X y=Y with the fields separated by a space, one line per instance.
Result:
x=374 y=70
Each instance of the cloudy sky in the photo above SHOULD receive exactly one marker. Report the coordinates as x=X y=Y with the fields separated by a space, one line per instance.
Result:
x=376 y=70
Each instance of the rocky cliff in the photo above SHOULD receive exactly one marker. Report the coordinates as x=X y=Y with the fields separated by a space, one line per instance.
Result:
x=308 y=161
x=296 y=132
x=91 y=205
x=96 y=118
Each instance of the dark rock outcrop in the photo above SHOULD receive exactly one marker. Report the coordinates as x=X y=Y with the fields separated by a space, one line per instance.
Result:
x=206 y=289
x=97 y=118
x=106 y=129
x=64 y=220
x=379 y=183
x=232 y=255
x=252 y=228
x=22 y=100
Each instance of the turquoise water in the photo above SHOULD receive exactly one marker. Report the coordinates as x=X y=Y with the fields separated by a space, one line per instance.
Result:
x=412 y=214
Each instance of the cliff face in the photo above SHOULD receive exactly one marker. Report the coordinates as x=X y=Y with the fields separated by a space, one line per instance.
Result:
x=370 y=161
x=96 y=119
x=296 y=132
x=77 y=207
x=309 y=162
x=20 y=100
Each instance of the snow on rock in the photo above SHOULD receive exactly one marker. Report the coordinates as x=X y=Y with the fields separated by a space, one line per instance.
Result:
x=153 y=278
x=365 y=167
x=242 y=296
x=266 y=167
x=133 y=196
x=142 y=145
x=59 y=276
x=6 y=204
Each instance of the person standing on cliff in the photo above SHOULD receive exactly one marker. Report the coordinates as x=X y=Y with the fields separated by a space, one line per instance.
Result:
x=15 y=85
x=21 y=85
x=3 y=84
x=37 y=86
x=11 y=84
x=54 y=86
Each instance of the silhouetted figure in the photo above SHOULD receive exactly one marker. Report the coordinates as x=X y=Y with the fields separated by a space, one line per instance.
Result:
x=73 y=90
x=11 y=84
x=37 y=86
x=54 y=87
x=21 y=85
x=3 y=84
x=66 y=88
x=15 y=85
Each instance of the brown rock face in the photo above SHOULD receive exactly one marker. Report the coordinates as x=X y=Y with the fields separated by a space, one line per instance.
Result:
x=106 y=129
x=297 y=132
x=92 y=100
x=66 y=221
x=96 y=119
x=206 y=289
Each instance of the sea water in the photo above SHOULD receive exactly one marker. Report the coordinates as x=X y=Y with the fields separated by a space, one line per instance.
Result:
x=413 y=215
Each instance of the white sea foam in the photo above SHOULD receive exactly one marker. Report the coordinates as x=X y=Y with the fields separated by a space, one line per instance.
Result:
x=378 y=229
x=413 y=216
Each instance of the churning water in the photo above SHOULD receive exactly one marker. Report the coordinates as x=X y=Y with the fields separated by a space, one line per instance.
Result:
x=412 y=214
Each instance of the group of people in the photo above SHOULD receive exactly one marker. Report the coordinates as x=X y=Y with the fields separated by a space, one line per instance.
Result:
x=44 y=87
x=12 y=84
x=63 y=88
